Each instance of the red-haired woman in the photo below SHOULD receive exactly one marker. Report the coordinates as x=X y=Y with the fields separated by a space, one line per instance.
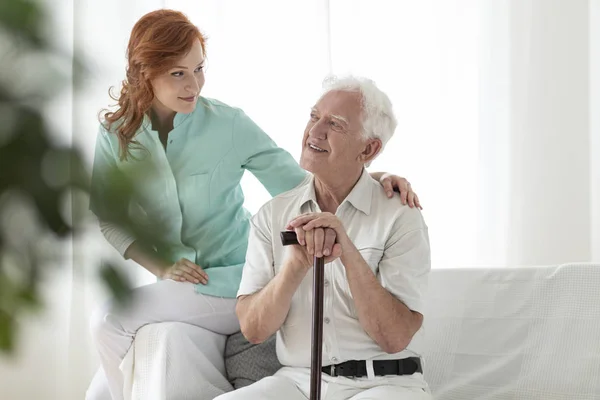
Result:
x=182 y=156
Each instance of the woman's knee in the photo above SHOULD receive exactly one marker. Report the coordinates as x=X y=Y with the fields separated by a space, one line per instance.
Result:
x=103 y=321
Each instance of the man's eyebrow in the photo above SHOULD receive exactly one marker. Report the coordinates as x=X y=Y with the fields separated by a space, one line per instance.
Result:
x=335 y=116
x=340 y=118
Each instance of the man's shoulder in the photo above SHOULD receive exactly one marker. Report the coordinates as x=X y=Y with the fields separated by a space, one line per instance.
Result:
x=409 y=218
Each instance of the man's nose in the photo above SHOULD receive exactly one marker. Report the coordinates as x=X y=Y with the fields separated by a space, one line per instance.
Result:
x=319 y=129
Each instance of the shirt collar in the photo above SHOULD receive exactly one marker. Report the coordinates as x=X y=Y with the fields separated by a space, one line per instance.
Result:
x=359 y=197
x=179 y=118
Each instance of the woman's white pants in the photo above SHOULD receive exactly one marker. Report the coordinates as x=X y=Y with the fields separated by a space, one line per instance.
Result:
x=181 y=364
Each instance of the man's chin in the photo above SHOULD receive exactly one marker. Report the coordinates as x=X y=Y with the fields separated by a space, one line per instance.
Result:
x=308 y=165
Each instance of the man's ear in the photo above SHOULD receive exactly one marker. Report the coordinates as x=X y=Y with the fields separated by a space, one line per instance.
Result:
x=372 y=148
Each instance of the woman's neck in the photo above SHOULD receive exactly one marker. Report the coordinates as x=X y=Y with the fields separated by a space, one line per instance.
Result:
x=162 y=118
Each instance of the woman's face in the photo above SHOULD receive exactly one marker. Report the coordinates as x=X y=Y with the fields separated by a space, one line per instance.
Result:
x=178 y=89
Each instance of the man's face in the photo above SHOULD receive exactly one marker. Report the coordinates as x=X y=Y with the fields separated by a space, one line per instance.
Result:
x=333 y=140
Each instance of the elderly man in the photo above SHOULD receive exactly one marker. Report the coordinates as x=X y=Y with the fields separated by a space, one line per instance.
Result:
x=377 y=263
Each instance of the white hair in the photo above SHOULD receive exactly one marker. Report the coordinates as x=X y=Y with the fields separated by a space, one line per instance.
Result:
x=378 y=119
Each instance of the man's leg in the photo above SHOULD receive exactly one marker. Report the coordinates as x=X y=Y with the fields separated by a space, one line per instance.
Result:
x=392 y=392
x=270 y=388
x=113 y=328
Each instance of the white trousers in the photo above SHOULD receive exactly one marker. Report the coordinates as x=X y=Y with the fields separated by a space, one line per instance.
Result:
x=114 y=328
x=294 y=384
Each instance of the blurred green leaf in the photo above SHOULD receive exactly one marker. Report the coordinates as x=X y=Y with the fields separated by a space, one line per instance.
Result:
x=7 y=331
x=117 y=283
x=30 y=298
x=23 y=18
x=41 y=172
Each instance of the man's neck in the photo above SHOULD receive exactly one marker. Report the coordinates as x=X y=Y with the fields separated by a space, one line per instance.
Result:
x=331 y=193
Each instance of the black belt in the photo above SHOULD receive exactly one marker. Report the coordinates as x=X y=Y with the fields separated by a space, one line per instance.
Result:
x=357 y=369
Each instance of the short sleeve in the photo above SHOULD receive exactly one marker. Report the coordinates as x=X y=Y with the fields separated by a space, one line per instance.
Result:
x=405 y=266
x=258 y=269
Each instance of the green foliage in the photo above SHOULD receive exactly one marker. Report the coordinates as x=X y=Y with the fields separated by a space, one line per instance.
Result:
x=37 y=175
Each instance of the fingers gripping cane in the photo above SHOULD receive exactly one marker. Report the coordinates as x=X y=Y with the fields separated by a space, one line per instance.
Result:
x=289 y=238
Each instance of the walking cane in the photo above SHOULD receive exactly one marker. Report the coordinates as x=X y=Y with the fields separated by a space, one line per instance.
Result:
x=289 y=238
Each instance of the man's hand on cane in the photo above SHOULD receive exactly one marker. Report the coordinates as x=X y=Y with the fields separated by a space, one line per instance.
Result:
x=305 y=223
x=317 y=242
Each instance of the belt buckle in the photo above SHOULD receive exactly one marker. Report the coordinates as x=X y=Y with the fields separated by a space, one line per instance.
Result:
x=332 y=370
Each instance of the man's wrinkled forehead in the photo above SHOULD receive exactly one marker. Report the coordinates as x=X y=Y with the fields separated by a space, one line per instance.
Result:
x=340 y=118
x=341 y=105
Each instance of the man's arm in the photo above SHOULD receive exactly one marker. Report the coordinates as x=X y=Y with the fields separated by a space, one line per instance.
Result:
x=389 y=304
x=265 y=298
x=388 y=321
x=261 y=314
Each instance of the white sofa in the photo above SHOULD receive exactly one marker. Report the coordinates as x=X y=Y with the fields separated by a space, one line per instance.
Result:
x=514 y=333
x=492 y=334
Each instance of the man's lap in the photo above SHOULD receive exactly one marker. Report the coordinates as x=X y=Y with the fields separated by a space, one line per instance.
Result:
x=294 y=384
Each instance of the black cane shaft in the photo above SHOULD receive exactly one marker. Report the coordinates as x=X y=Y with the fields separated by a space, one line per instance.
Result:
x=289 y=238
x=317 y=333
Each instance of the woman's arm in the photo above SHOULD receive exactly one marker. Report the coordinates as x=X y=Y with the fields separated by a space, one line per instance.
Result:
x=274 y=167
x=149 y=261
x=183 y=270
x=108 y=203
x=127 y=246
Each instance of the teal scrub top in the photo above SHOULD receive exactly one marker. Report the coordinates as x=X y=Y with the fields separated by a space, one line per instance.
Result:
x=189 y=194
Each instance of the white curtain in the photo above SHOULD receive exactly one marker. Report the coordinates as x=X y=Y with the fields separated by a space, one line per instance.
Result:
x=499 y=128
x=538 y=187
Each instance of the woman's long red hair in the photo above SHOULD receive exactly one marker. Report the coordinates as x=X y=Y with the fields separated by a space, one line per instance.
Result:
x=158 y=40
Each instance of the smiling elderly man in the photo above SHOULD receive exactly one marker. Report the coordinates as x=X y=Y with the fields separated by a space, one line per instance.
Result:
x=377 y=263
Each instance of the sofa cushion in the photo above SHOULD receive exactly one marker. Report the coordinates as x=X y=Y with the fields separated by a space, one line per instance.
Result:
x=247 y=363
x=514 y=333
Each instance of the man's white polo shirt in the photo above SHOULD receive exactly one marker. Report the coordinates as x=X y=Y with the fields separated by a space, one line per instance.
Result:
x=392 y=239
